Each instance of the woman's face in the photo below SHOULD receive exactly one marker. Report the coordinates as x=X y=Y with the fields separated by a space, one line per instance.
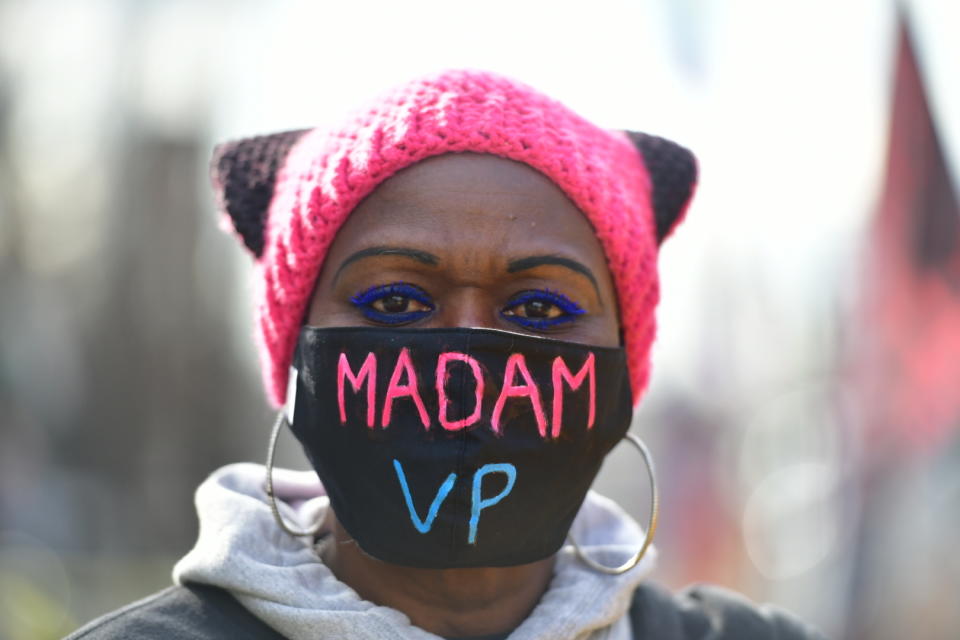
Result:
x=468 y=240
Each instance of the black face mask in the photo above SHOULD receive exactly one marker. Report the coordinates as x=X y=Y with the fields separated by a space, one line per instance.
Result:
x=444 y=448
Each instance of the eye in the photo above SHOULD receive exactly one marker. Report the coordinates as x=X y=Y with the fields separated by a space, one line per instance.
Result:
x=397 y=303
x=541 y=309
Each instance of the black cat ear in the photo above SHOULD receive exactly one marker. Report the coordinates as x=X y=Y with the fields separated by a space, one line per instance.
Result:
x=243 y=173
x=673 y=172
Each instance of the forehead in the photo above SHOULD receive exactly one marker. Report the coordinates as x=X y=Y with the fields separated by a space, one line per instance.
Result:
x=472 y=203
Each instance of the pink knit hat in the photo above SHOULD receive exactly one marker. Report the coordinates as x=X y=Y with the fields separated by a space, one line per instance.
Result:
x=286 y=195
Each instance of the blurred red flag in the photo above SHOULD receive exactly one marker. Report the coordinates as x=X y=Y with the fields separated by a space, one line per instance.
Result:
x=910 y=327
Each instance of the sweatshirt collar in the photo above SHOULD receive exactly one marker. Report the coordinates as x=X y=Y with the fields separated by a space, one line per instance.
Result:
x=283 y=581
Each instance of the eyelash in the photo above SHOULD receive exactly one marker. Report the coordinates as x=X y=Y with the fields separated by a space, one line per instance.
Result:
x=569 y=308
x=365 y=299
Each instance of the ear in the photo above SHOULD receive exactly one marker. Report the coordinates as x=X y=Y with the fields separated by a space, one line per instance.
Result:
x=243 y=173
x=673 y=172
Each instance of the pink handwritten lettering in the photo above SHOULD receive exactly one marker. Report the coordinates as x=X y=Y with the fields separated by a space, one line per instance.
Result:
x=560 y=374
x=396 y=390
x=442 y=375
x=368 y=374
x=516 y=363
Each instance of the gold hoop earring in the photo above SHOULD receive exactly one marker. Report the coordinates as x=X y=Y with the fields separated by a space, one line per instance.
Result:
x=271 y=450
x=651 y=527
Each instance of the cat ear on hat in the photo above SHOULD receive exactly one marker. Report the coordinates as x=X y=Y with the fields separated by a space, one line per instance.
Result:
x=243 y=173
x=673 y=174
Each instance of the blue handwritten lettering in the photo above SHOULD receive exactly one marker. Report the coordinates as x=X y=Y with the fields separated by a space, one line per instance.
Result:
x=423 y=526
x=479 y=503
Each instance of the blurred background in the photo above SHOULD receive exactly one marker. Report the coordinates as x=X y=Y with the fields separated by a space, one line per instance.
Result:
x=805 y=409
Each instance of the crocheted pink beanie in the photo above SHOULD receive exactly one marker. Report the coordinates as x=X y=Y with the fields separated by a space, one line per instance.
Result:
x=286 y=195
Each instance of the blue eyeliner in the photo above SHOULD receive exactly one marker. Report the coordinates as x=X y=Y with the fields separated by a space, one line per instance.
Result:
x=365 y=299
x=570 y=309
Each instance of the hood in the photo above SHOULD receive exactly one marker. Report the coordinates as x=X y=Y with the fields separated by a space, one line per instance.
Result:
x=283 y=581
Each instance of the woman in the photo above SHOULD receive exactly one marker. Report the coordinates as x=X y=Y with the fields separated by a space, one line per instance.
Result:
x=455 y=311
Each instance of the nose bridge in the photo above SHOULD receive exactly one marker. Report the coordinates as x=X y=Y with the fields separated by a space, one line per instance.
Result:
x=468 y=306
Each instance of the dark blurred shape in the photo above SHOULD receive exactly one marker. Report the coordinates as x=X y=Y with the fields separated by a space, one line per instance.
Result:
x=907 y=377
x=911 y=321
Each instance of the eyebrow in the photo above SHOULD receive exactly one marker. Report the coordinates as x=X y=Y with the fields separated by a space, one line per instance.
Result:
x=414 y=254
x=522 y=264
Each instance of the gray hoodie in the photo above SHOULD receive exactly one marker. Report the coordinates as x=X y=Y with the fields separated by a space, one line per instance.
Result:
x=283 y=582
